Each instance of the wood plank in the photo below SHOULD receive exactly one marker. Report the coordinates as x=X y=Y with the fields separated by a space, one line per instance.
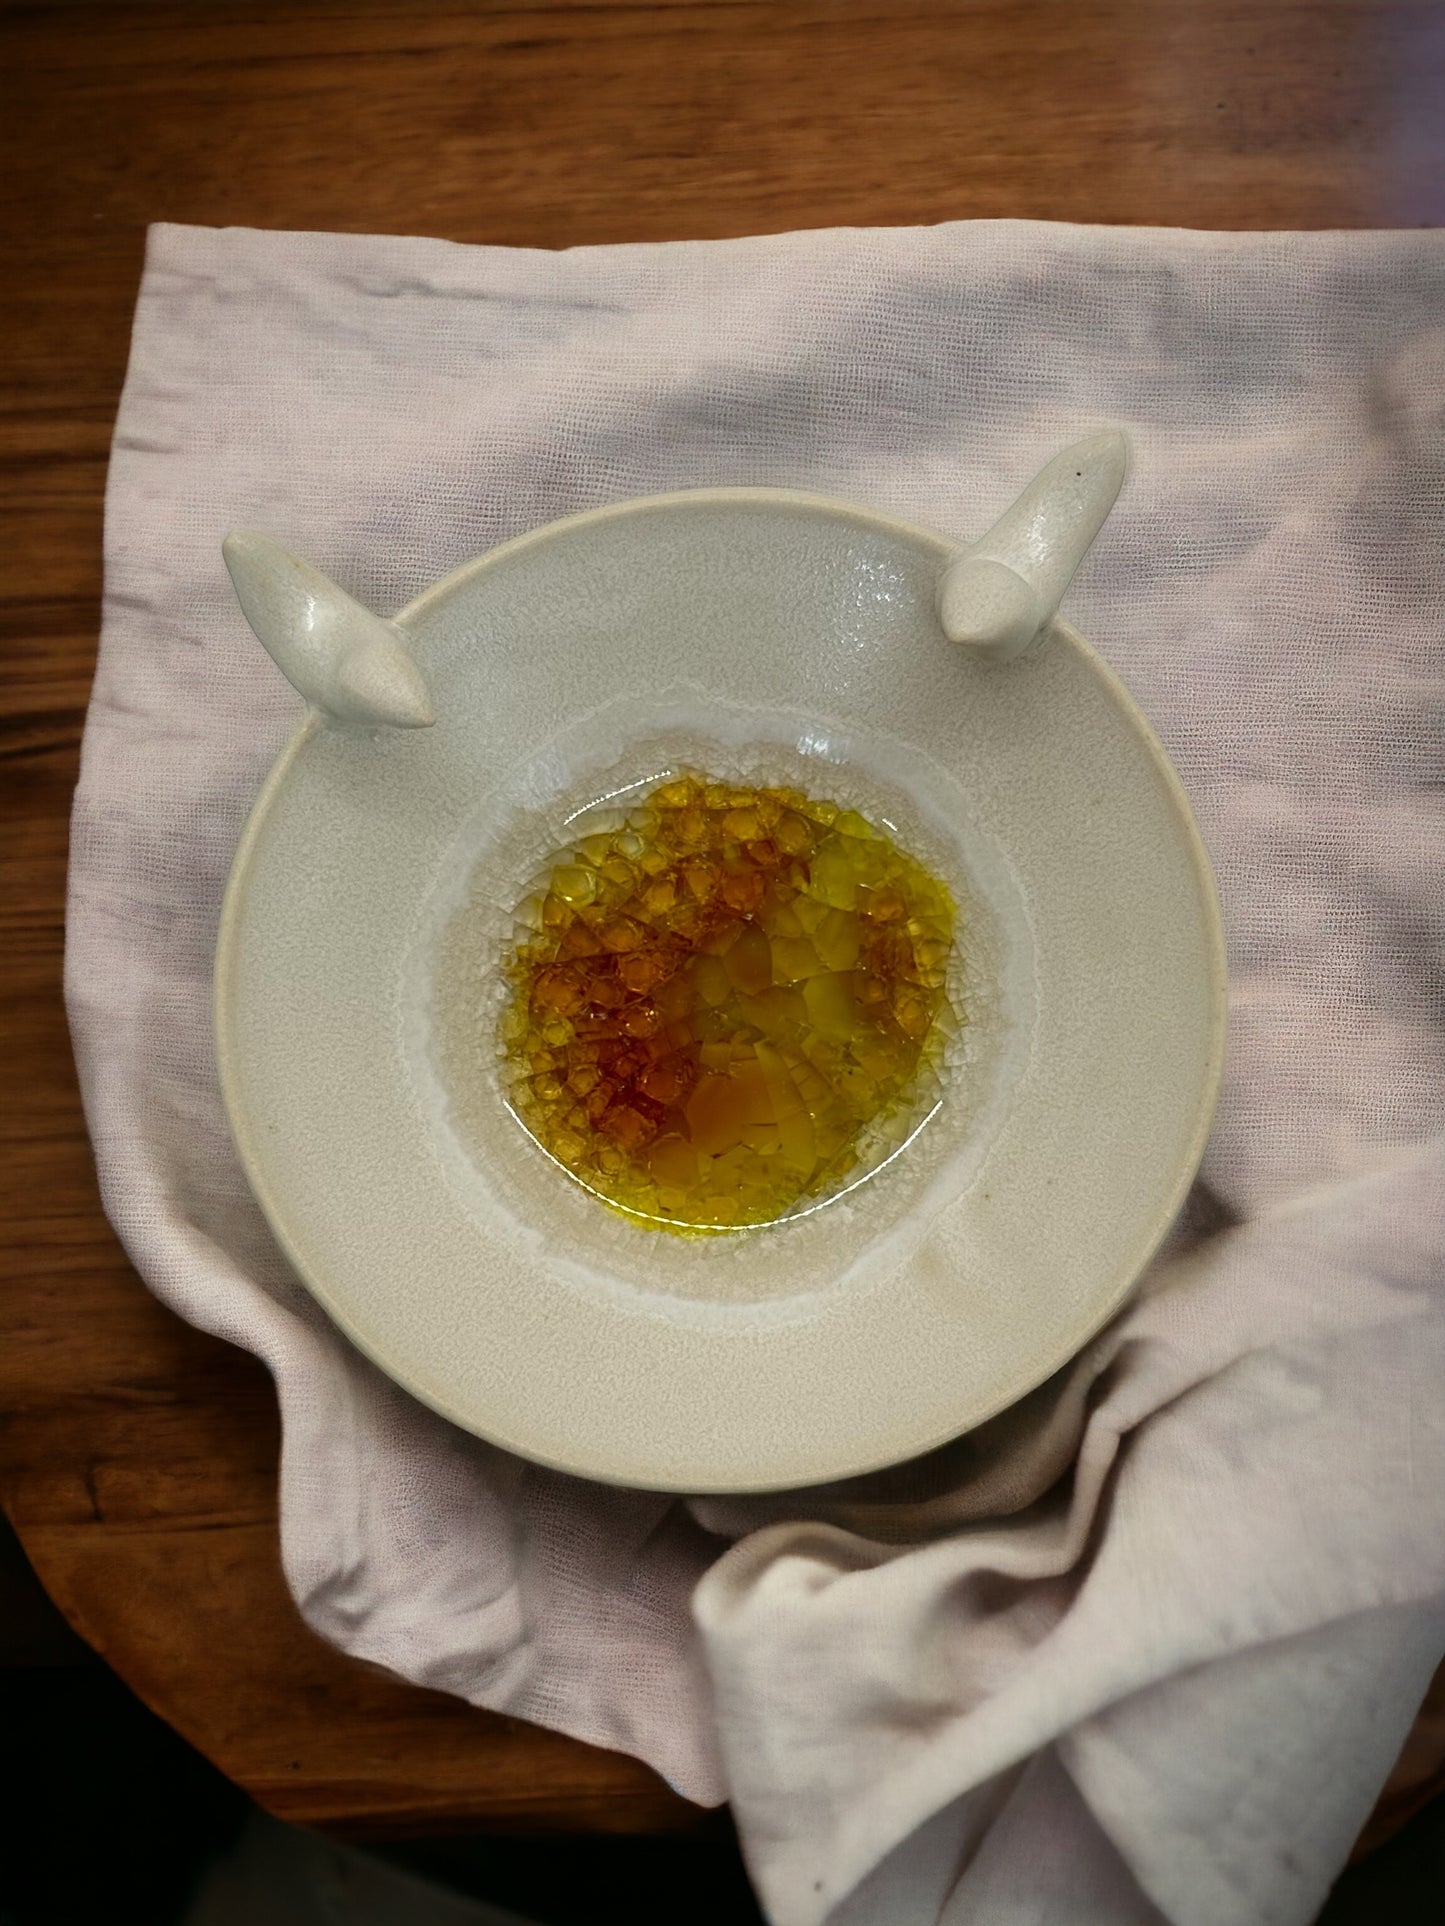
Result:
x=138 y=1457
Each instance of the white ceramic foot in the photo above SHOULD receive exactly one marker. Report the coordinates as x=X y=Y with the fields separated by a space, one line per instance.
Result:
x=349 y=663
x=999 y=594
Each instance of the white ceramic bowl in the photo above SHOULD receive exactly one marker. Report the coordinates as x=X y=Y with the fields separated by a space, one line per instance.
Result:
x=762 y=632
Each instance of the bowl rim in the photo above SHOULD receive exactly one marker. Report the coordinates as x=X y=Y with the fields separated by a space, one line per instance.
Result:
x=1060 y=633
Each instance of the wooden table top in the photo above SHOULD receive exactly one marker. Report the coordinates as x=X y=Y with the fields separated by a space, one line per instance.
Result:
x=138 y=1458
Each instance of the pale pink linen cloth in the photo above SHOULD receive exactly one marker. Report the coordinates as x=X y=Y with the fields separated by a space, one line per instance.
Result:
x=1144 y=1647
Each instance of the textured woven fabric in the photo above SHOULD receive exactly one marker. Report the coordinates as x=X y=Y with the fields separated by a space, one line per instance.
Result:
x=1144 y=1646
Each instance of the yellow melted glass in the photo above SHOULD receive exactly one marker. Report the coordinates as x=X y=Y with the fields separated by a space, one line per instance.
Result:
x=710 y=1006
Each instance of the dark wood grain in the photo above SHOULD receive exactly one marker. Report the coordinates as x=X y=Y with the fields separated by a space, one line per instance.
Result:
x=138 y=1458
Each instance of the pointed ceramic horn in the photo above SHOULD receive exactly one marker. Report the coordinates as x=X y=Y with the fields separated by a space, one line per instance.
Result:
x=346 y=661
x=1000 y=593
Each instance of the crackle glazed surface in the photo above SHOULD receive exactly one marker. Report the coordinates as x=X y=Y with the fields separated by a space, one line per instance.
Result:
x=728 y=1003
x=769 y=639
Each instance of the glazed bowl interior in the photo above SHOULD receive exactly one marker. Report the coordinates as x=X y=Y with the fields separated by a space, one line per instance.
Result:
x=763 y=637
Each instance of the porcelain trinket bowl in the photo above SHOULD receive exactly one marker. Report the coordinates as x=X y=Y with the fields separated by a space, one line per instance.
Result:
x=766 y=636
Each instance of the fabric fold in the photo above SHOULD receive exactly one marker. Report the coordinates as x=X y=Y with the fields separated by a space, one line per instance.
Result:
x=1142 y=1647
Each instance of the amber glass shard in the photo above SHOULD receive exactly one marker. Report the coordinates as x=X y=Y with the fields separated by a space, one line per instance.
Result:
x=712 y=1000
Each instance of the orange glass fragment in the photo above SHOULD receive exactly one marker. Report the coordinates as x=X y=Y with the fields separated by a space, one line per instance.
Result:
x=711 y=1003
